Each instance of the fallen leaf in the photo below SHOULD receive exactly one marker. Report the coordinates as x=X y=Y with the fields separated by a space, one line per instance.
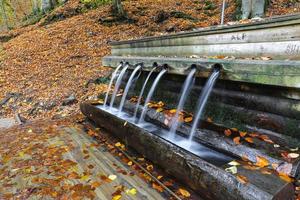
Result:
x=249 y=139
x=159 y=177
x=132 y=191
x=209 y=120
x=243 y=134
x=293 y=155
x=234 y=129
x=295 y=149
x=261 y=161
x=117 y=197
x=184 y=192
x=242 y=179
x=172 y=111
x=250 y=167
x=276 y=145
x=112 y=177
x=266 y=171
x=125 y=123
x=159 y=109
x=157 y=187
x=227 y=132
x=234 y=163
x=129 y=163
x=95 y=184
x=232 y=170
x=286 y=178
x=236 y=140
x=188 y=119
x=118 y=144
x=149 y=167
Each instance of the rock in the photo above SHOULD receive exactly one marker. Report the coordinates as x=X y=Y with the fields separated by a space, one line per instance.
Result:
x=161 y=16
x=7 y=122
x=70 y=100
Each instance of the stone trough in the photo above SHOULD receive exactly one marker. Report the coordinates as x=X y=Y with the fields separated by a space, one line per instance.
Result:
x=255 y=96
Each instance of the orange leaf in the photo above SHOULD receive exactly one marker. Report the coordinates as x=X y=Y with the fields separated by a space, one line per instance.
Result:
x=254 y=134
x=266 y=171
x=261 y=161
x=251 y=167
x=236 y=140
x=242 y=179
x=157 y=187
x=234 y=129
x=249 y=139
x=227 y=132
x=95 y=184
x=243 y=134
x=245 y=158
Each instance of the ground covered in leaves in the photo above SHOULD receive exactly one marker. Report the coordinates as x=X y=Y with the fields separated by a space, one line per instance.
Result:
x=68 y=159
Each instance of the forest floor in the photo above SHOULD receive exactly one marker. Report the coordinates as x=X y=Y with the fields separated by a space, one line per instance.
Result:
x=48 y=68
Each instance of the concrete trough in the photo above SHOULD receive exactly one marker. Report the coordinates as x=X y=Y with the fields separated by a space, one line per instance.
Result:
x=207 y=179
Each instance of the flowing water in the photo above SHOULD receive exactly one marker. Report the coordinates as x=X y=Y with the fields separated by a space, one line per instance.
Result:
x=117 y=86
x=128 y=85
x=113 y=76
x=142 y=92
x=206 y=91
x=188 y=84
x=149 y=96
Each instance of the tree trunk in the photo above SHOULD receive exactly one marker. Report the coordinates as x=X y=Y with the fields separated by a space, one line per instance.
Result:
x=117 y=8
x=253 y=8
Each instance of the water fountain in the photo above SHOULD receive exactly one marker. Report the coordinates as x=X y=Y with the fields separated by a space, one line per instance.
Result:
x=187 y=86
x=150 y=94
x=117 y=86
x=113 y=76
x=206 y=91
x=128 y=85
x=252 y=97
x=142 y=92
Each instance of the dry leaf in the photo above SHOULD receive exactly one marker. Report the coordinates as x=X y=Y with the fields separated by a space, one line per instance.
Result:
x=117 y=197
x=188 y=119
x=242 y=179
x=159 y=109
x=112 y=177
x=132 y=191
x=243 y=134
x=286 y=178
x=227 y=132
x=266 y=171
x=234 y=163
x=184 y=192
x=293 y=155
x=209 y=120
x=261 y=161
x=236 y=140
x=172 y=111
x=157 y=187
x=149 y=167
x=249 y=139
x=95 y=184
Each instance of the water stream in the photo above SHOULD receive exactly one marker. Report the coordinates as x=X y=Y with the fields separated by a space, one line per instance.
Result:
x=128 y=85
x=142 y=92
x=206 y=91
x=150 y=94
x=187 y=86
x=113 y=76
x=117 y=86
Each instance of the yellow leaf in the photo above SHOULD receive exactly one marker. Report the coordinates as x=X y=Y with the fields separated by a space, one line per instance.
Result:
x=234 y=129
x=261 y=161
x=173 y=111
x=21 y=154
x=85 y=177
x=129 y=163
x=117 y=197
x=132 y=191
x=159 y=177
x=188 y=119
x=159 y=109
x=150 y=167
x=118 y=144
x=184 y=193
x=112 y=177
x=286 y=178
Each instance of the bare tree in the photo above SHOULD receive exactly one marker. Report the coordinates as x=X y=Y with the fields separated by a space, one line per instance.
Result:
x=253 y=8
